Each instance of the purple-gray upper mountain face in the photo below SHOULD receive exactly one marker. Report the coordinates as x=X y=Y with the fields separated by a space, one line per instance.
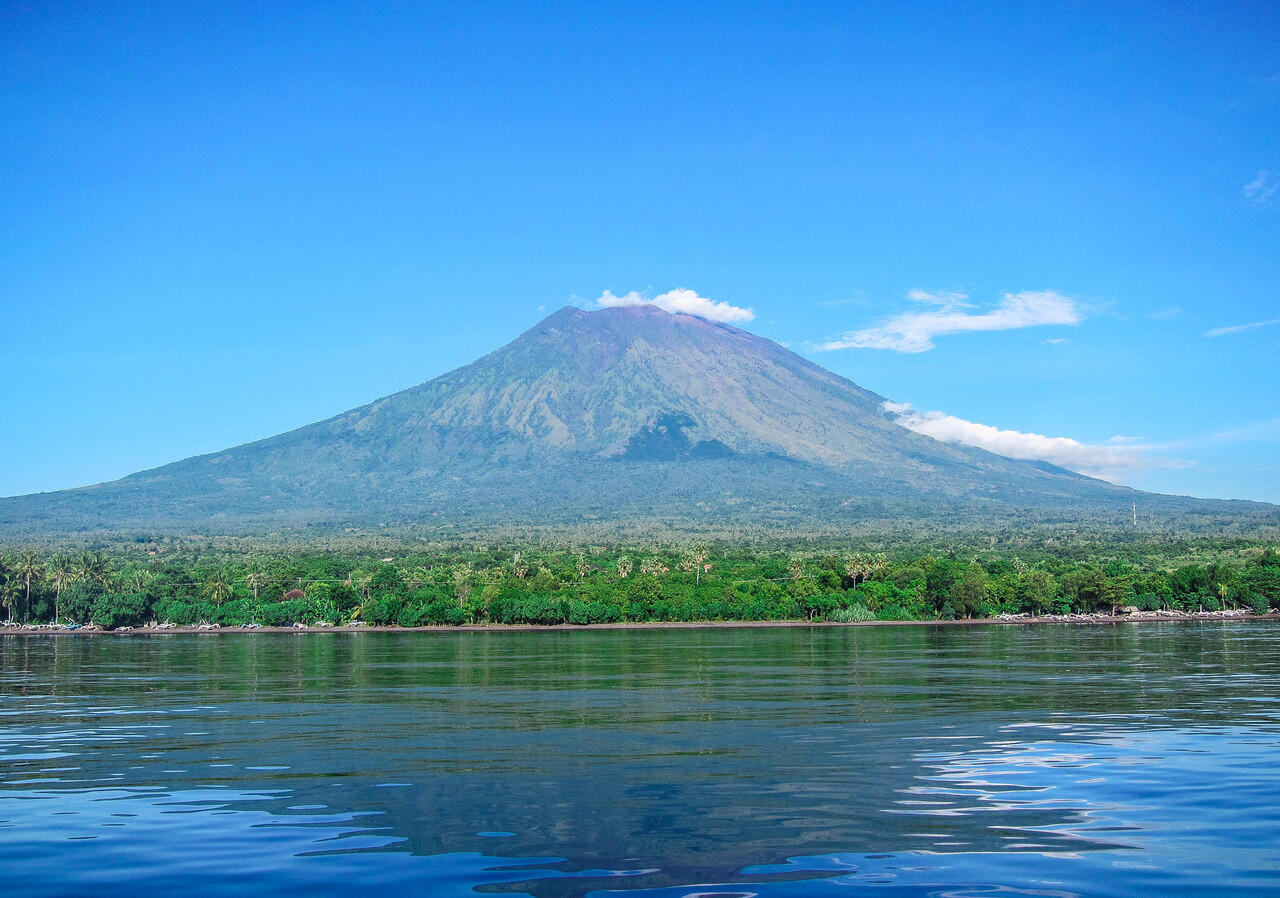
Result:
x=620 y=415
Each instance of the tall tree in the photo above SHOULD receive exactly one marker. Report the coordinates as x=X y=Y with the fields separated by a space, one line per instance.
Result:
x=29 y=568
x=795 y=566
x=861 y=566
x=62 y=573
x=219 y=587
x=94 y=567
x=8 y=588
x=698 y=555
x=255 y=579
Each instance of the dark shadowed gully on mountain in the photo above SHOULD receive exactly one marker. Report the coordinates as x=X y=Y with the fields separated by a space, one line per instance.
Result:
x=608 y=418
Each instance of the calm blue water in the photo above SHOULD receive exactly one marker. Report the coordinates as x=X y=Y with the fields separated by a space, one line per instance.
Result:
x=1058 y=760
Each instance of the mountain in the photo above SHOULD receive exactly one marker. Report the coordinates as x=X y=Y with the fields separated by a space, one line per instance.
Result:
x=614 y=418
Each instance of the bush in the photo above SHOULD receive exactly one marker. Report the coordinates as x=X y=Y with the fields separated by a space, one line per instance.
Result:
x=235 y=612
x=383 y=610
x=78 y=600
x=414 y=614
x=177 y=611
x=539 y=610
x=110 y=611
x=592 y=612
x=853 y=614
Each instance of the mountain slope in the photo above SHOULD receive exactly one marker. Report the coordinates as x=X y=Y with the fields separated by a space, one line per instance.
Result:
x=610 y=416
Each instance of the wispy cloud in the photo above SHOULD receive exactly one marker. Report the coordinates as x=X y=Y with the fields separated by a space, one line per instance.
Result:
x=1165 y=314
x=1262 y=188
x=915 y=331
x=1237 y=328
x=1119 y=455
x=679 y=300
x=1263 y=430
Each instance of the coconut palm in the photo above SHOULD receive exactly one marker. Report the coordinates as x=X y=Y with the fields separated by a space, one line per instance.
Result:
x=415 y=578
x=138 y=579
x=698 y=555
x=9 y=592
x=8 y=587
x=28 y=568
x=255 y=579
x=93 y=567
x=861 y=566
x=461 y=582
x=795 y=566
x=219 y=587
x=624 y=566
x=653 y=566
x=361 y=581
x=62 y=573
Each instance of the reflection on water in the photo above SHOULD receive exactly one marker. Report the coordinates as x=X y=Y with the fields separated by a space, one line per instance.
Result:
x=1116 y=760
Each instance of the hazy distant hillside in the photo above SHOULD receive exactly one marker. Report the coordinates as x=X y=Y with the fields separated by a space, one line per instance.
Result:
x=614 y=417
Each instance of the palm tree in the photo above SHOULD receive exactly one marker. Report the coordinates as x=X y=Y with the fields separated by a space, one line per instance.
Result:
x=795 y=566
x=698 y=555
x=860 y=566
x=93 y=568
x=28 y=568
x=654 y=566
x=138 y=579
x=8 y=592
x=219 y=588
x=624 y=566
x=255 y=579
x=415 y=578
x=461 y=583
x=360 y=581
x=8 y=586
x=62 y=573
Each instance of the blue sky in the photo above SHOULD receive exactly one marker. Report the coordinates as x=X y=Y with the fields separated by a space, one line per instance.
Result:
x=219 y=222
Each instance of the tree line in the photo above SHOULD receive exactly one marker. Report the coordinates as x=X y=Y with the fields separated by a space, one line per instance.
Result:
x=696 y=582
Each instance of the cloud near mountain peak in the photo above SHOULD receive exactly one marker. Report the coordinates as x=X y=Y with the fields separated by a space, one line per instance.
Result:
x=680 y=301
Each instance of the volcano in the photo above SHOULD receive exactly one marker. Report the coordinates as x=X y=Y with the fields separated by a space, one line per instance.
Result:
x=614 y=419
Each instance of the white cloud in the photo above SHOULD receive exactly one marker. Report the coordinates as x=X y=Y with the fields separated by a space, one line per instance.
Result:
x=1119 y=455
x=1237 y=328
x=680 y=301
x=1262 y=188
x=914 y=331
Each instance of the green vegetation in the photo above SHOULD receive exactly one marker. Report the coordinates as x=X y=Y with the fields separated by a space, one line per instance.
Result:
x=452 y=586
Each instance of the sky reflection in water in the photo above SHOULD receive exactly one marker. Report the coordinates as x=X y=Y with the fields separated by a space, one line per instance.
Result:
x=1048 y=761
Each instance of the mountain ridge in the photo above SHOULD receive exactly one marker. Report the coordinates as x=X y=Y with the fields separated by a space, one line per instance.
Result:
x=616 y=415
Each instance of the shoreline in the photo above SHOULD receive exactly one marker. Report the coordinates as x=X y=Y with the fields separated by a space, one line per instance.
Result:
x=1002 y=620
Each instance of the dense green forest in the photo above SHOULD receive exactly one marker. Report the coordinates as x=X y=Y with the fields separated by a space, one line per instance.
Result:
x=695 y=582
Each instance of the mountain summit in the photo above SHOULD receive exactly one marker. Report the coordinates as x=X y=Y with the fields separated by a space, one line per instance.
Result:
x=617 y=417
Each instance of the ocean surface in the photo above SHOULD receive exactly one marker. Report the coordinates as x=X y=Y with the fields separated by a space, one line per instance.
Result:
x=1054 y=760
